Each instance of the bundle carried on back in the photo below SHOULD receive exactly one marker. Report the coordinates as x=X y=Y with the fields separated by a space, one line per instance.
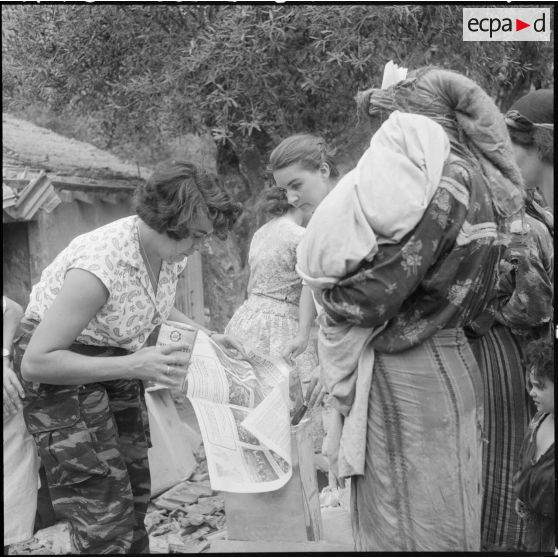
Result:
x=378 y=202
x=475 y=126
x=478 y=137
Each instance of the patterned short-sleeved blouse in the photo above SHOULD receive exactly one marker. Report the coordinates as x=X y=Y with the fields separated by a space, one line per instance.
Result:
x=132 y=309
x=272 y=260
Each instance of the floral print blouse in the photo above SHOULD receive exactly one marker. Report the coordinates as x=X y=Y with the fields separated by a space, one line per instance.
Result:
x=436 y=277
x=112 y=254
x=272 y=261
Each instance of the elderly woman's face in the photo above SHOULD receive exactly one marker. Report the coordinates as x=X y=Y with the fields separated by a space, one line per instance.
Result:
x=305 y=188
x=176 y=250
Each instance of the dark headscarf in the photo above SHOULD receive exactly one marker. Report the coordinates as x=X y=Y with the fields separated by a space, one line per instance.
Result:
x=537 y=106
x=531 y=122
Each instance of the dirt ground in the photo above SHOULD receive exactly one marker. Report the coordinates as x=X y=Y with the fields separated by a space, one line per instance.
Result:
x=190 y=516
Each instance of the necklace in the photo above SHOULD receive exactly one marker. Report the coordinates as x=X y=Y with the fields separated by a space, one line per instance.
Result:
x=150 y=272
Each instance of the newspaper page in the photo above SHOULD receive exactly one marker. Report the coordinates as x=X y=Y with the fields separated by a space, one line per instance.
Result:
x=242 y=407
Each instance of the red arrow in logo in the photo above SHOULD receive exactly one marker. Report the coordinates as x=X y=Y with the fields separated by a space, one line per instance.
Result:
x=519 y=25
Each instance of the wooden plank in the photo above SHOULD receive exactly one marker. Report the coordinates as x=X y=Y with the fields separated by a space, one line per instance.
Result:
x=76 y=182
x=37 y=194
x=337 y=525
x=189 y=290
x=244 y=547
x=291 y=513
x=9 y=197
x=15 y=261
x=39 y=248
x=308 y=479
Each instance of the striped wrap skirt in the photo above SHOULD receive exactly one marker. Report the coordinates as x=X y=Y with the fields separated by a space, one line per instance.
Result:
x=421 y=489
x=507 y=411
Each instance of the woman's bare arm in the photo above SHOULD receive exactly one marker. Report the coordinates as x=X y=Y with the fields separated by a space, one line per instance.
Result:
x=48 y=360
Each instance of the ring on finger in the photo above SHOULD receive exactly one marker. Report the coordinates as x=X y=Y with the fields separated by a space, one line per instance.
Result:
x=168 y=370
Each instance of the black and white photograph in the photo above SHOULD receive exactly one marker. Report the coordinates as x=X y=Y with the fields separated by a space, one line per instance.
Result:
x=363 y=190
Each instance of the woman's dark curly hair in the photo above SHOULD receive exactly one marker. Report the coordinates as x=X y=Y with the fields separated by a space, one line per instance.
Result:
x=539 y=357
x=179 y=191
x=274 y=201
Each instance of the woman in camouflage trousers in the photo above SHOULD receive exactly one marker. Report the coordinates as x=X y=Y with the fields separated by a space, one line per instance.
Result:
x=86 y=348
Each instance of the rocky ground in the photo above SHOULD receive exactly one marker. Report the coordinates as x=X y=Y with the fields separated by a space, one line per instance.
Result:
x=187 y=517
x=184 y=519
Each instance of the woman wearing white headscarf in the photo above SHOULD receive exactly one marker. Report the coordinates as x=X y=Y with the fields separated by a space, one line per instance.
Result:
x=416 y=477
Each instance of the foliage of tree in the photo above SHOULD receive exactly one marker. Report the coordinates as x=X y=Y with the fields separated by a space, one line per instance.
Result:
x=250 y=73
x=133 y=77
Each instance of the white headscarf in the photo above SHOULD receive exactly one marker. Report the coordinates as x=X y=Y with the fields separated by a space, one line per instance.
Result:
x=379 y=201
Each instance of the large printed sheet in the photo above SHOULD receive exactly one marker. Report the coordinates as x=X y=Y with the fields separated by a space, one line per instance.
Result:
x=242 y=408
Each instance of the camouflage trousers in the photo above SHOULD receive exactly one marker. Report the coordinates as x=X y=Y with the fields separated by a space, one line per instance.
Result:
x=93 y=443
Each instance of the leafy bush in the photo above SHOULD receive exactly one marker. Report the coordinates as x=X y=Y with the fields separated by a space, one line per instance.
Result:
x=252 y=74
x=133 y=78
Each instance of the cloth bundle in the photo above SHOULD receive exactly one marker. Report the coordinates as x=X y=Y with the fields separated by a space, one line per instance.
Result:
x=473 y=122
x=380 y=201
x=478 y=135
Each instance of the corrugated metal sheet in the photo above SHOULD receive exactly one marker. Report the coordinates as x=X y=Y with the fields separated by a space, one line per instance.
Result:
x=38 y=194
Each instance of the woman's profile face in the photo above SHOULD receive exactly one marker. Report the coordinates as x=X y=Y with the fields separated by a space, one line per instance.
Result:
x=174 y=251
x=305 y=188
